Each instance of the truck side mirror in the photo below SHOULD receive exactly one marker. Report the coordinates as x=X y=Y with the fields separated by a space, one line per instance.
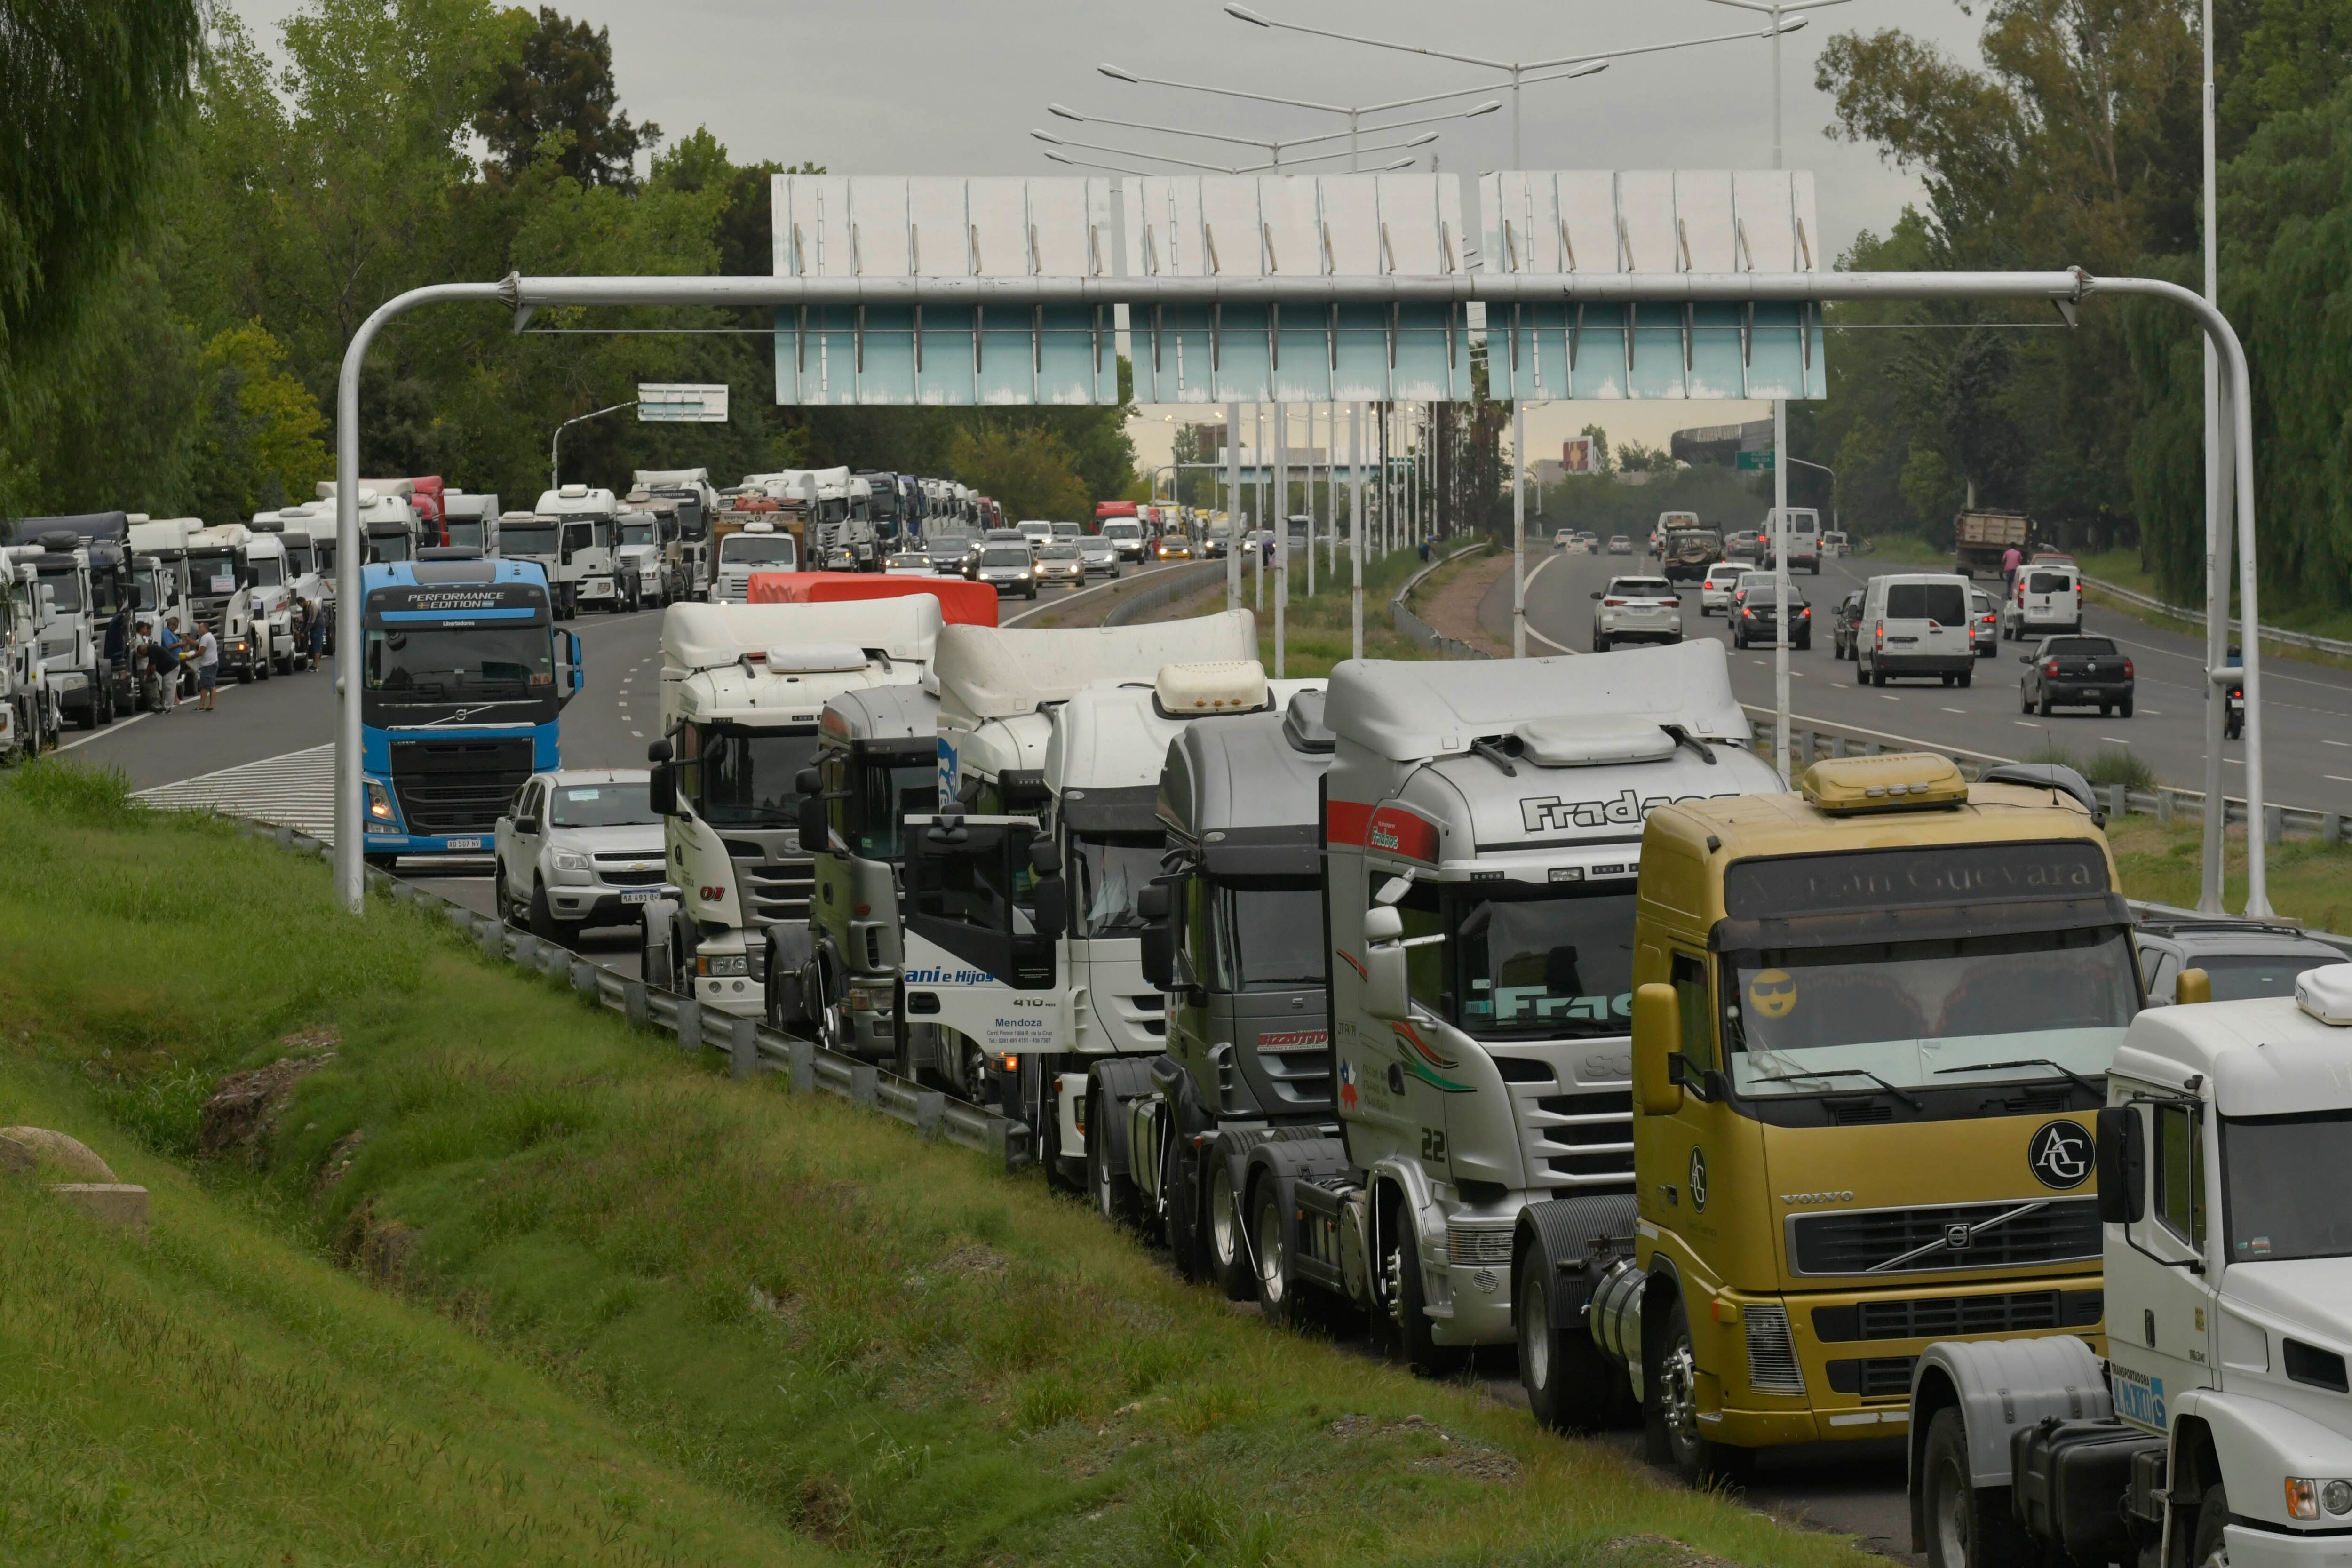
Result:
x=661 y=788
x=1155 y=903
x=2194 y=985
x=2122 y=1156
x=659 y=752
x=1388 y=989
x=816 y=826
x=1044 y=858
x=1657 y=1041
x=807 y=781
x=1049 y=901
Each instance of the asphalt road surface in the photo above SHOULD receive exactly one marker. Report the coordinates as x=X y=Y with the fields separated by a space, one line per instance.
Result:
x=2308 y=708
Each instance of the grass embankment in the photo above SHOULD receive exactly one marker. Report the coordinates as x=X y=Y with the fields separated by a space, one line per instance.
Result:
x=1317 y=629
x=2309 y=882
x=633 y=1306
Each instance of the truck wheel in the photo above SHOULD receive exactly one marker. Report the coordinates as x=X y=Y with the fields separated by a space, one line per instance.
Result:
x=105 y=705
x=1408 y=1323
x=1671 y=1412
x=1966 y=1526
x=654 y=965
x=1113 y=1194
x=1572 y=1387
x=1277 y=1294
x=1228 y=1258
x=2208 y=1547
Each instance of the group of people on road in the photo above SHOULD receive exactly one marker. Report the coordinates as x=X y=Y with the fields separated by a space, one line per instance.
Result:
x=166 y=650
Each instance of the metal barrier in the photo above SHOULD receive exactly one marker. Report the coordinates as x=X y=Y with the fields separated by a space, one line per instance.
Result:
x=1191 y=580
x=1421 y=631
x=2278 y=635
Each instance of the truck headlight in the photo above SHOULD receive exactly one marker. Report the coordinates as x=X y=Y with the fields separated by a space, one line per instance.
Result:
x=570 y=860
x=724 y=963
x=2336 y=1497
x=379 y=804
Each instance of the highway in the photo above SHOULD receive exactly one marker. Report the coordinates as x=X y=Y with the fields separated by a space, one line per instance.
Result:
x=2308 y=708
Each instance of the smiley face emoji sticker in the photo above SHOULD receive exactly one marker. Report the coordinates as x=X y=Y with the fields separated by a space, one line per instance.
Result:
x=1772 y=992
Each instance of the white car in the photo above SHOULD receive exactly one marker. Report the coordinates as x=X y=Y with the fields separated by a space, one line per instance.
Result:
x=577 y=847
x=1636 y=609
x=1715 y=589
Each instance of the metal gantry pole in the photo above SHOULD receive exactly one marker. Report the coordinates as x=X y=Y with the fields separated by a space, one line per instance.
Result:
x=2217 y=541
x=1257 y=491
x=1356 y=525
x=1282 y=534
x=1233 y=506
x=1519 y=528
x=1780 y=588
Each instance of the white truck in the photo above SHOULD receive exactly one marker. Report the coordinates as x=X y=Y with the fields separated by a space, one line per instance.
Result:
x=29 y=716
x=583 y=571
x=742 y=689
x=388 y=526
x=222 y=597
x=470 y=520
x=838 y=534
x=1482 y=841
x=637 y=557
x=280 y=621
x=2218 y=1428
x=1050 y=748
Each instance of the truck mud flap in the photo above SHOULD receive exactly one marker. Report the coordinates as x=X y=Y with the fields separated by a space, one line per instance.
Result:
x=1123 y=1080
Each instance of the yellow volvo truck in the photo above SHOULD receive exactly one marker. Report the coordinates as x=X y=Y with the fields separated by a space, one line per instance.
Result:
x=1871 y=1028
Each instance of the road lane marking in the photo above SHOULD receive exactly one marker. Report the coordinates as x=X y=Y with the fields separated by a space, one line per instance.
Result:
x=115 y=728
x=2025 y=723
x=2327 y=742
x=2114 y=740
x=1889 y=697
x=1954 y=710
x=2336 y=778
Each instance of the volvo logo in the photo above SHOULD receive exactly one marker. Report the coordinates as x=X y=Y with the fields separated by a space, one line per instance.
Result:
x=1698 y=1179
x=1957 y=1237
x=2060 y=1154
x=1801 y=1200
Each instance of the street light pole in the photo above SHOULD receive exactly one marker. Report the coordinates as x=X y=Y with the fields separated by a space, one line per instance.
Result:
x=2217 y=529
x=555 y=442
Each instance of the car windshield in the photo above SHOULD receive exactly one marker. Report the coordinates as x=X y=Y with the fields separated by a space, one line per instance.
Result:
x=746 y=778
x=602 y=805
x=1109 y=873
x=1925 y=1014
x=437 y=662
x=757 y=550
x=2237 y=976
x=2283 y=1180
x=2082 y=646
x=1544 y=963
x=1004 y=555
x=1059 y=552
x=953 y=544
x=1268 y=938
x=1766 y=594
x=526 y=538
x=2047 y=583
x=1123 y=530
x=1943 y=603
x=1979 y=603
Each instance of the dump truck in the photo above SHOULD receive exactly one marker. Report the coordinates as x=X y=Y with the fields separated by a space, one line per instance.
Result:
x=1981 y=538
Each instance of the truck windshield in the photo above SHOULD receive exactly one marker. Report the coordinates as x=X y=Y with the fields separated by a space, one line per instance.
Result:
x=63 y=591
x=488 y=661
x=463 y=533
x=147 y=588
x=885 y=792
x=2284 y=1177
x=757 y=550
x=602 y=805
x=212 y=572
x=105 y=597
x=387 y=546
x=1111 y=873
x=1924 y=1015
x=1268 y=938
x=269 y=572
x=747 y=778
x=637 y=533
x=1545 y=963
x=298 y=559
x=1122 y=530
x=526 y=538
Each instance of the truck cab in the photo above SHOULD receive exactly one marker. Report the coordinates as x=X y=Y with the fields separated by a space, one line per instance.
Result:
x=744 y=688
x=1057 y=738
x=29 y=717
x=584 y=572
x=1871 y=1022
x=470 y=521
x=279 y=626
x=221 y=595
x=758 y=545
x=2213 y=1425
x=637 y=556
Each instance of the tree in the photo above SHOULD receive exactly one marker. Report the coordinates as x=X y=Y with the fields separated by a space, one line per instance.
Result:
x=264 y=439
x=557 y=96
x=1030 y=472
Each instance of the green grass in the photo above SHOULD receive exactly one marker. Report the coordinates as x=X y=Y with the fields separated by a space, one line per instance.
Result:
x=2309 y=882
x=1317 y=629
x=783 y=1314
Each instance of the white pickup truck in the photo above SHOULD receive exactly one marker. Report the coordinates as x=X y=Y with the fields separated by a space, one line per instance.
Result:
x=2217 y=1431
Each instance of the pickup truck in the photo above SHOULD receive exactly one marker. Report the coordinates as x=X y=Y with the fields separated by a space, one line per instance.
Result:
x=2075 y=672
x=1688 y=552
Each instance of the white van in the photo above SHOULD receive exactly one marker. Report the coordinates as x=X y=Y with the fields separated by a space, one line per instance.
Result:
x=1914 y=623
x=1804 y=526
x=2048 y=599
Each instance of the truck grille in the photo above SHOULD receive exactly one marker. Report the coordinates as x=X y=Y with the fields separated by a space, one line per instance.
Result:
x=1490 y=1245
x=1587 y=1140
x=1772 y=1353
x=776 y=888
x=2060 y=1230
x=1297 y=1062
x=1943 y=1317
x=457 y=786
x=1872 y=1377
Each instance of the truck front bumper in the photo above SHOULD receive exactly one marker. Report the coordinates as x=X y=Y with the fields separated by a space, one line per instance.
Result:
x=2250 y=1548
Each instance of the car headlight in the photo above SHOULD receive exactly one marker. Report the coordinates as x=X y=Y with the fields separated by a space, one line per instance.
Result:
x=570 y=860
x=724 y=963
x=379 y=804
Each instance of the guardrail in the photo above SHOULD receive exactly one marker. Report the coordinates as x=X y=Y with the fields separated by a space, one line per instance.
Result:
x=749 y=1046
x=1191 y=580
x=2278 y=635
x=1421 y=631
x=1811 y=740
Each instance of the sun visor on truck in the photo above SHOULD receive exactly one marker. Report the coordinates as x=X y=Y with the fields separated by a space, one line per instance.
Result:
x=710 y=637
x=1405 y=710
x=88 y=528
x=988 y=672
x=1131 y=809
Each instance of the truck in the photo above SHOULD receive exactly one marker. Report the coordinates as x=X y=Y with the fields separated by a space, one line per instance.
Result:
x=463 y=678
x=2211 y=1424
x=72 y=639
x=742 y=689
x=638 y=555
x=1118 y=522
x=1870 y=1021
x=221 y=596
x=1232 y=938
x=836 y=533
x=747 y=544
x=280 y=615
x=897 y=525
x=1980 y=539
x=1686 y=547
x=686 y=557
x=470 y=521
x=1480 y=844
x=29 y=716
x=584 y=572
x=1050 y=748
x=99 y=542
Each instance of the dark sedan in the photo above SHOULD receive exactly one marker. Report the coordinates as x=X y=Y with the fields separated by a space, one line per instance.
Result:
x=1752 y=619
x=2076 y=672
x=1845 y=626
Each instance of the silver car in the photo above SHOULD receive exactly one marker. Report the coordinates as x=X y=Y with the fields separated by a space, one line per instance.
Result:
x=1100 y=554
x=1060 y=563
x=1008 y=567
x=579 y=847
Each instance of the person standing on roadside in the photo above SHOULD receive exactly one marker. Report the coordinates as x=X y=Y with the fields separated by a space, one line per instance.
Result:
x=163 y=661
x=208 y=668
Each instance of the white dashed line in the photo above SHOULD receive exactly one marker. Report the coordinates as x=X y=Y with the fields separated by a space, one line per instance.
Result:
x=1889 y=697
x=2114 y=740
x=2336 y=778
x=2234 y=761
x=2025 y=723
x=2327 y=743
x=1954 y=710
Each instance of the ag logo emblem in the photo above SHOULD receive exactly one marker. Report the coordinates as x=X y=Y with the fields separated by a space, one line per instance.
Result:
x=2060 y=1154
x=1773 y=993
x=1698 y=1179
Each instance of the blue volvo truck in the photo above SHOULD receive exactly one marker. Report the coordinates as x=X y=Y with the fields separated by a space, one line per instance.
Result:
x=463 y=677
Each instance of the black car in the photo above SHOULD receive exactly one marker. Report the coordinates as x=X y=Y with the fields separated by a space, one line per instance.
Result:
x=1752 y=618
x=2075 y=672
x=1845 y=626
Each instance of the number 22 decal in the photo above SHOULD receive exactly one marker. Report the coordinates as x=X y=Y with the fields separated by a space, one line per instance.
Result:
x=1433 y=1143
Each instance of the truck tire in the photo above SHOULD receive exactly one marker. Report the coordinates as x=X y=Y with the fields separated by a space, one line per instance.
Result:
x=1408 y=1328
x=1966 y=1526
x=2208 y=1547
x=1112 y=1192
x=1279 y=1298
x=1221 y=1223
x=1670 y=1411
x=1572 y=1384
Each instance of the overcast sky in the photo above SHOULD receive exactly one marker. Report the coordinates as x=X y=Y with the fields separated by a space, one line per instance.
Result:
x=948 y=86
